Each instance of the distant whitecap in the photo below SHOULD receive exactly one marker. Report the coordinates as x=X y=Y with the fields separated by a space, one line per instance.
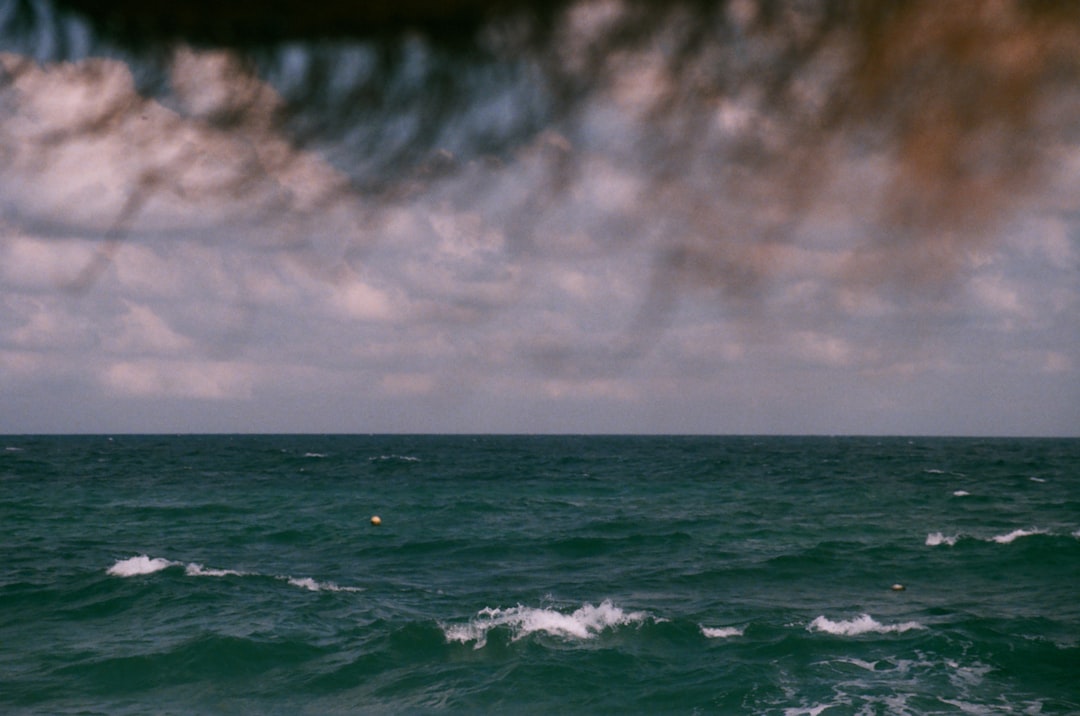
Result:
x=1015 y=535
x=315 y=586
x=961 y=493
x=197 y=570
x=586 y=622
x=862 y=624
x=938 y=538
x=722 y=632
x=141 y=564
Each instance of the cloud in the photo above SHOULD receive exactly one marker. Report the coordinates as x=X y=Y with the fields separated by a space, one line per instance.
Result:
x=361 y=301
x=205 y=380
x=89 y=153
x=31 y=263
x=144 y=332
x=671 y=250
x=408 y=384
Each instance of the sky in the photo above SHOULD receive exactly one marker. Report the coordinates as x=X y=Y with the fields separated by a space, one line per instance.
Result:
x=164 y=271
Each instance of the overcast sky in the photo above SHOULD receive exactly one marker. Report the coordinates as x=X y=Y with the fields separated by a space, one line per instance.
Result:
x=501 y=298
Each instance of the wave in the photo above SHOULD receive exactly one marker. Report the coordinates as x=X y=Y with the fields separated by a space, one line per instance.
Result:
x=935 y=539
x=143 y=564
x=960 y=493
x=1015 y=535
x=722 y=632
x=313 y=586
x=862 y=624
x=586 y=622
x=394 y=458
x=197 y=570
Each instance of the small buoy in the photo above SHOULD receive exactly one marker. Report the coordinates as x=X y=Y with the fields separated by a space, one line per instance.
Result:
x=898 y=587
x=376 y=520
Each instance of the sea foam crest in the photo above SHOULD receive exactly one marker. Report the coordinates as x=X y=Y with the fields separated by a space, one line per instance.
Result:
x=314 y=586
x=721 y=632
x=585 y=622
x=195 y=569
x=1015 y=535
x=142 y=564
x=862 y=624
x=937 y=538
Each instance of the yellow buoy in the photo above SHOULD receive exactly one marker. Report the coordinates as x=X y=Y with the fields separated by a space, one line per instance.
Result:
x=376 y=520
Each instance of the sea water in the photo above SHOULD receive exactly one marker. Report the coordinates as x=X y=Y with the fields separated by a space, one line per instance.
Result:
x=728 y=575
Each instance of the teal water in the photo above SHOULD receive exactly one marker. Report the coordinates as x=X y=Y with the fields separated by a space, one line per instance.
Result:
x=178 y=575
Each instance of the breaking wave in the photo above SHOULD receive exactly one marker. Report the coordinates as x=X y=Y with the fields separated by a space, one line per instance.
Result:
x=586 y=622
x=935 y=539
x=1015 y=535
x=314 y=586
x=862 y=624
x=143 y=564
x=722 y=632
x=938 y=538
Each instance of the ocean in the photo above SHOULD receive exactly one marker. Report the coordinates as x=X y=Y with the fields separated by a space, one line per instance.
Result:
x=539 y=575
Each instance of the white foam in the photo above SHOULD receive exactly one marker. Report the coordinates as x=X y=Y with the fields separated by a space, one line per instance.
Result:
x=722 y=632
x=862 y=624
x=1037 y=479
x=401 y=458
x=968 y=708
x=305 y=583
x=965 y=676
x=861 y=663
x=807 y=710
x=961 y=493
x=1015 y=535
x=314 y=586
x=937 y=538
x=197 y=570
x=314 y=454
x=585 y=622
x=141 y=564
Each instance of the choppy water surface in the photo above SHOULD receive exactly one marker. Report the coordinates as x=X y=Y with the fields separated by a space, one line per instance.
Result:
x=539 y=575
